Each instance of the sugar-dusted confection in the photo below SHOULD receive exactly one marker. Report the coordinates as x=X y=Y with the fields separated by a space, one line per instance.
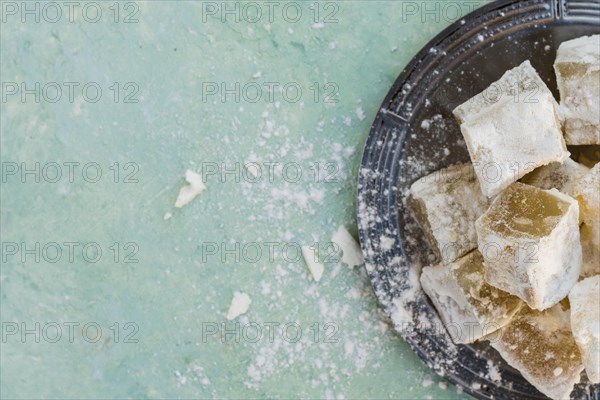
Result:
x=512 y=132
x=585 y=323
x=515 y=84
x=446 y=205
x=568 y=178
x=556 y=175
x=577 y=68
x=540 y=345
x=587 y=192
x=529 y=239
x=469 y=307
x=590 y=247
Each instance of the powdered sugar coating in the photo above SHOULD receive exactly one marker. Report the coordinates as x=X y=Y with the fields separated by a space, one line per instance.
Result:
x=585 y=322
x=577 y=69
x=530 y=241
x=540 y=345
x=446 y=205
x=513 y=133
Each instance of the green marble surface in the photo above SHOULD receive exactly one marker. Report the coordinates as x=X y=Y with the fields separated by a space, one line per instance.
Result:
x=157 y=291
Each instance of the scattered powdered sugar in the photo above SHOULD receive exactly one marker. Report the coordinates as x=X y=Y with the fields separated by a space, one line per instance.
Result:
x=302 y=182
x=344 y=303
x=360 y=114
x=493 y=372
x=192 y=374
x=402 y=314
x=337 y=334
x=386 y=242
x=427 y=122
x=427 y=381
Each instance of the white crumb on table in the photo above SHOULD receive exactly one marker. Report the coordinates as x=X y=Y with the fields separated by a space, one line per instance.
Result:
x=351 y=252
x=189 y=192
x=314 y=266
x=239 y=305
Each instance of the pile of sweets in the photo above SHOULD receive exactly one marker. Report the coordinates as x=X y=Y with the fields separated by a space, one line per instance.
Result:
x=517 y=230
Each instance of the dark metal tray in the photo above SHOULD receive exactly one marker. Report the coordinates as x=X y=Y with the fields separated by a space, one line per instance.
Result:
x=415 y=134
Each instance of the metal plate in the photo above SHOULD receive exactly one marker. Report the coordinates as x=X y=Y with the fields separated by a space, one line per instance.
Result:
x=415 y=134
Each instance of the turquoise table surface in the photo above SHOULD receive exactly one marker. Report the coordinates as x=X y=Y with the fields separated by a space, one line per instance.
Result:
x=105 y=105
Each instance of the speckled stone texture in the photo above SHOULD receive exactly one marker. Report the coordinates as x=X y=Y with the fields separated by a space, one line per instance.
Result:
x=167 y=72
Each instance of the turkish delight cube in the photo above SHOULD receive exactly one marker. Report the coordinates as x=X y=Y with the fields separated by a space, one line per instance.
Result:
x=512 y=132
x=540 y=345
x=529 y=239
x=559 y=176
x=446 y=205
x=590 y=247
x=469 y=307
x=585 y=323
x=577 y=68
x=587 y=192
